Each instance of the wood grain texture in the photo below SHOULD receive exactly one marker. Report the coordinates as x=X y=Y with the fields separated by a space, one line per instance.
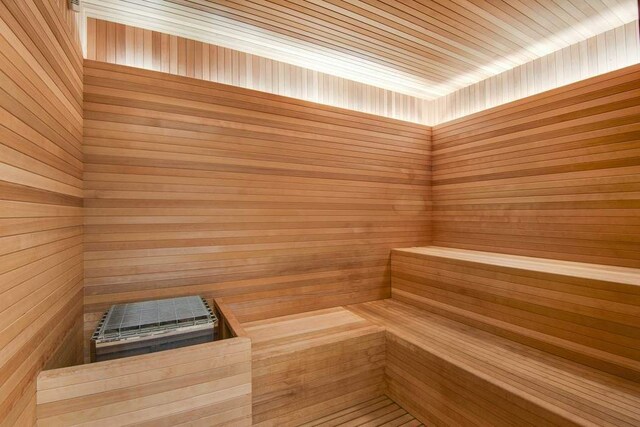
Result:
x=202 y=385
x=608 y=51
x=312 y=365
x=126 y=45
x=40 y=199
x=556 y=175
x=381 y=412
x=421 y=48
x=277 y=205
x=449 y=374
x=228 y=324
x=587 y=313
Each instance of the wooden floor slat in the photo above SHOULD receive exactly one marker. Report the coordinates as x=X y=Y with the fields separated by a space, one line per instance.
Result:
x=378 y=412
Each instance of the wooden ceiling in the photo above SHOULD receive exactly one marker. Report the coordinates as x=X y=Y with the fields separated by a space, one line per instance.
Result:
x=425 y=48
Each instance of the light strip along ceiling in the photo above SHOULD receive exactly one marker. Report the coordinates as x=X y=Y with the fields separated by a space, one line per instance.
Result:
x=421 y=48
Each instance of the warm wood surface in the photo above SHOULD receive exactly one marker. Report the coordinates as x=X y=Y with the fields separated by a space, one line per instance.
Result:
x=556 y=175
x=277 y=205
x=127 y=45
x=584 y=312
x=202 y=385
x=40 y=198
x=228 y=324
x=137 y=47
x=448 y=374
x=579 y=270
x=608 y=51
x=378 y=412
x=422 y=48
x=311 y=365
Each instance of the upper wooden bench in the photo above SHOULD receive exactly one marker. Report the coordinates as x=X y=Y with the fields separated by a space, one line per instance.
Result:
x=584 y=312
x=482 y=338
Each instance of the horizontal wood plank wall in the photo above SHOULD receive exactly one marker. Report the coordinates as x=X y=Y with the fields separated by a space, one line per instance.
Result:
x=40 y=199
x=608 y=51
x=556 y=175
x=201 y=385
x=277 y=205
x=126 y=45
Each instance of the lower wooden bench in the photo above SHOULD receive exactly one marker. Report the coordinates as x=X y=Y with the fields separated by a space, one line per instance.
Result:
x=307 y=366
x=450 y=374
x=469 y=338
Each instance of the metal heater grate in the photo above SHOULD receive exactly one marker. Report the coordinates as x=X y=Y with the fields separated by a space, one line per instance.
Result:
x=149 y=317
x=150 y=326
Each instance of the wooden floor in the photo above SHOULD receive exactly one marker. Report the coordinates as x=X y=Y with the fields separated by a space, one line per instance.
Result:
x=381 y=411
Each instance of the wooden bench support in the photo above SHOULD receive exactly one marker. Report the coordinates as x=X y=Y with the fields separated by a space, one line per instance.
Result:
x=310 y=365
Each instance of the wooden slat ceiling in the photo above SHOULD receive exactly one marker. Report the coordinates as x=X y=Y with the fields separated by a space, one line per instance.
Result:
x=425 y=48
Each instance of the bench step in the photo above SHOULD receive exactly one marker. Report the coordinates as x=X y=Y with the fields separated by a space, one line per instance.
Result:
x=448 y=373
x=586 y=313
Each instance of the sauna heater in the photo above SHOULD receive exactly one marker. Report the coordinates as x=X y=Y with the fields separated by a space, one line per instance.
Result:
x=149 y=326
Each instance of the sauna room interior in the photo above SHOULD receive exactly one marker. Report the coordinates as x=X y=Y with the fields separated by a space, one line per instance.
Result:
x=319 y=213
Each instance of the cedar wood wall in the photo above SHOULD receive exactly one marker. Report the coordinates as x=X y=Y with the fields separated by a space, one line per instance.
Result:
x=152 y=50
x=193 y=187
x=555 y=175
x=40 y=199
x=283 y=205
